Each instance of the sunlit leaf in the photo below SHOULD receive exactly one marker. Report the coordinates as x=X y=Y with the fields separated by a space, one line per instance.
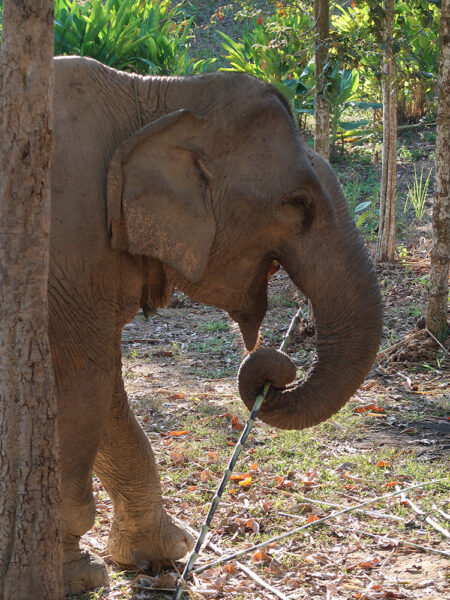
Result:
x=245 y=482
x=239 y=476
x=312 y=518
x=261 y=556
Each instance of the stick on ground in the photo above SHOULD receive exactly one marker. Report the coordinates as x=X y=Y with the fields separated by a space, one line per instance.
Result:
x=314 y=524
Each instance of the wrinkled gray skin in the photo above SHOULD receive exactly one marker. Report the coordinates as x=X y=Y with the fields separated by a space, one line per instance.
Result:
x=201 y=184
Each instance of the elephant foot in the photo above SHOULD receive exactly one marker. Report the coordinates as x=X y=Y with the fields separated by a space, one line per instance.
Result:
x=84 y=571
x=148 y=546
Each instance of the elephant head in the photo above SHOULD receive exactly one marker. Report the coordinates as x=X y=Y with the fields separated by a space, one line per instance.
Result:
x=221 y=190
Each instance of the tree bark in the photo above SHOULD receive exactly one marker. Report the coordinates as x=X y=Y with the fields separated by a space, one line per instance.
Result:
x=321 y=108
x=386 y=228
x=436 y=318
x=30 y=552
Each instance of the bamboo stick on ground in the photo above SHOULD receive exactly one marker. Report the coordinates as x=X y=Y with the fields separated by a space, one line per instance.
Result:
x=395 y=541
x=371 y=513
x=240 y=566
x=314 y=524
x=227 y=473
x=381 y=537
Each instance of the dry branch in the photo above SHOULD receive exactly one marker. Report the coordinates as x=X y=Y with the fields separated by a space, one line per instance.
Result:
x=382 y=355
x=437 y=341
x=312 y=524
x=395 y=541
x=370 y=513
x=384 y=537
x=428 y=519
x=442 y=513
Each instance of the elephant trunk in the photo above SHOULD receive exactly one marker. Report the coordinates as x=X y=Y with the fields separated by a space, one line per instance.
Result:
x=342 y=287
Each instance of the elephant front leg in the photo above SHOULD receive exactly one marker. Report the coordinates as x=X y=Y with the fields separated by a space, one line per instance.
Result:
x=83 y=405
x=142 y=533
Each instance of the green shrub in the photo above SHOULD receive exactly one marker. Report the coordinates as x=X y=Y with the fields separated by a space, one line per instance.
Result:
x=148 y=37
x=275 y=48
x=145 y=36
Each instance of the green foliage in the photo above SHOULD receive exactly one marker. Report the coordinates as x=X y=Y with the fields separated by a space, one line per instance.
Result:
x=362 y=200
x=417 y=195
x=114 y=33
x=356 y=41
x=342 y=93
x=275 y=48
x=147 y=37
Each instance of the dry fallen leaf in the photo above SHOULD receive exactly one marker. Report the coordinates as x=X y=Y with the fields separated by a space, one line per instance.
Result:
x=177 y=458
x=235 y=424
x=369 y=564
x=369 y=407
x=312 y=518
x=165 y=581
x=239 y=476
x=206 y=475
x=394 y=483
x=212 y=456
x=261 y=556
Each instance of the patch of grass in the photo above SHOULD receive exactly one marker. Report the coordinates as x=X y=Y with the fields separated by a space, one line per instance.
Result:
x=216 y=326
x=218 y=373
x=211 y=345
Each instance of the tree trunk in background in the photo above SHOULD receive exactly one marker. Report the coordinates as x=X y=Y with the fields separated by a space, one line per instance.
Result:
x=386 y=230
x=436 y=319
x=321 y=108
x=30 y=554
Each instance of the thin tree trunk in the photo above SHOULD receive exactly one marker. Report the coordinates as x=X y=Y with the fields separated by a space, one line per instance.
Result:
x=321 y=108
x=386 y=230
x=30 y=554
x=436 y=319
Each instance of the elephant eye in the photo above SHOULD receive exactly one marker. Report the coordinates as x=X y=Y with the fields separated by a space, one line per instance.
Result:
x=300 y=199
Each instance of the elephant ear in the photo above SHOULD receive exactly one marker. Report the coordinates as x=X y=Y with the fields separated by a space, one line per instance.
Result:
x=158 y=195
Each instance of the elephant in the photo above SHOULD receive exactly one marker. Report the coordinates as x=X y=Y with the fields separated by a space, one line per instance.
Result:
x=202 y=184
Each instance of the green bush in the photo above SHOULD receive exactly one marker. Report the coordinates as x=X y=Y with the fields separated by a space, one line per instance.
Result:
x=275 y=48
x=148 y=37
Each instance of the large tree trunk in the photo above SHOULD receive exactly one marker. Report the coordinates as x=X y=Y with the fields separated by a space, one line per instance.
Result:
x=321 y=108
x=436 y=319
x=30 y=561
x=386 y=230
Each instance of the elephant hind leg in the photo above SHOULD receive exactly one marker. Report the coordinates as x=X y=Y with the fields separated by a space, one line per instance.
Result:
x=142 y=533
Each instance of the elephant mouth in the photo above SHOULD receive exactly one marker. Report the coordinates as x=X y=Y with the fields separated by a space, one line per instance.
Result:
x=249 y=324
x=250 y=320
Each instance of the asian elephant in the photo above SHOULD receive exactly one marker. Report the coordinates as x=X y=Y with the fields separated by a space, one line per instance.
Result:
x=202 y=184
